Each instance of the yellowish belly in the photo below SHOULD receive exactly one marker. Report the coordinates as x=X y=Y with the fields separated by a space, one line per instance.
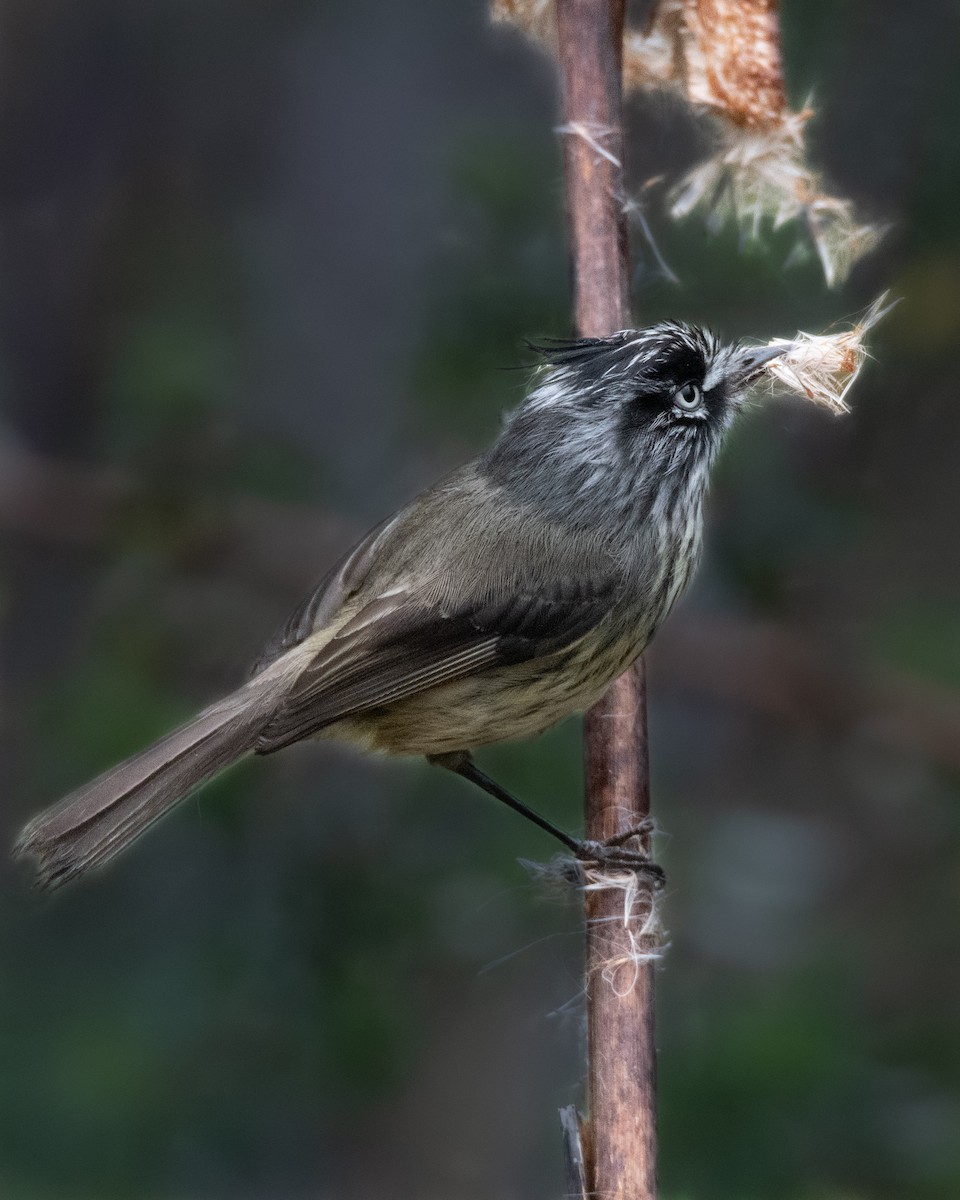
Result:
x=506 y=704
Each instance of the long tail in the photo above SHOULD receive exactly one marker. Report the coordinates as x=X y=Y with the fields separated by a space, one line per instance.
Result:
x=97 y=821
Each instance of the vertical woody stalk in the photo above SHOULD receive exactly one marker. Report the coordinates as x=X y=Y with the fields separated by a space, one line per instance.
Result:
x=620 y=1140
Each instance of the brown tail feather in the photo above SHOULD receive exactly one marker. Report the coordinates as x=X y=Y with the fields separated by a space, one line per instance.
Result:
x=97 y=821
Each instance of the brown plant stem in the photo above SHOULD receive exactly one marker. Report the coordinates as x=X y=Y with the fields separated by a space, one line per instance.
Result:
x=621 y=1136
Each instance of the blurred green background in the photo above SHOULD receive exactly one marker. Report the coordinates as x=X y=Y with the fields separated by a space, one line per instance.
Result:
x=261 y=265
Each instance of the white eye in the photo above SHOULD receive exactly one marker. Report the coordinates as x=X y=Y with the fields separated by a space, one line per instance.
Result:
x=689 y=398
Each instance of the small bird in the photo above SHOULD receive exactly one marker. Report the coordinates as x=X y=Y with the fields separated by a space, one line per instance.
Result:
x=505 y=597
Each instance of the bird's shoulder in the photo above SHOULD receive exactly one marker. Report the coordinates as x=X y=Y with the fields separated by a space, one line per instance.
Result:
x=463 y=544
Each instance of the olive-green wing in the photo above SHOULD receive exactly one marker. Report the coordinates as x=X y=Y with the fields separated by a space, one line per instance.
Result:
x=322 y=603
x=397 y=646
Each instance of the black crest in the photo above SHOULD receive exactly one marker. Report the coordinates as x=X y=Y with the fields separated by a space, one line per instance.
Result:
x=670 y=350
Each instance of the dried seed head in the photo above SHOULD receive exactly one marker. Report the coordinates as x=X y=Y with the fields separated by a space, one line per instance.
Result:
x=723 y=58
x=722 y=55
x=733 y=59
x=759 y=175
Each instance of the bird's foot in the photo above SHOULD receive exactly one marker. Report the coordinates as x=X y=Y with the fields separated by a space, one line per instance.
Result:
x=623 y=852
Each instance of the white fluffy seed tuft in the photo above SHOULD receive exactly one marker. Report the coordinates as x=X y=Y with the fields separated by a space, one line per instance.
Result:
x=824 y=367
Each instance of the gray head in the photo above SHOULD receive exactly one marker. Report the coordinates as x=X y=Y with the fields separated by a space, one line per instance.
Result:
x=611 y=423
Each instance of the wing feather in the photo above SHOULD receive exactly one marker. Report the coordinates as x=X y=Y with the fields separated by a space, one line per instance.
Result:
x=340 y=582
x=397 y=646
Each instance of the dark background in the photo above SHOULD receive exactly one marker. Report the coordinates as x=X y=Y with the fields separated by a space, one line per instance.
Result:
x=261 y=264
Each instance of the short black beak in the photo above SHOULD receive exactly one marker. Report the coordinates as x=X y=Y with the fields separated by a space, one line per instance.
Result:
x=747 y=364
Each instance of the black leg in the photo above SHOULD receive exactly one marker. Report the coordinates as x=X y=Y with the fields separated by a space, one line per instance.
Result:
x=463 y=765
x=606 y=854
